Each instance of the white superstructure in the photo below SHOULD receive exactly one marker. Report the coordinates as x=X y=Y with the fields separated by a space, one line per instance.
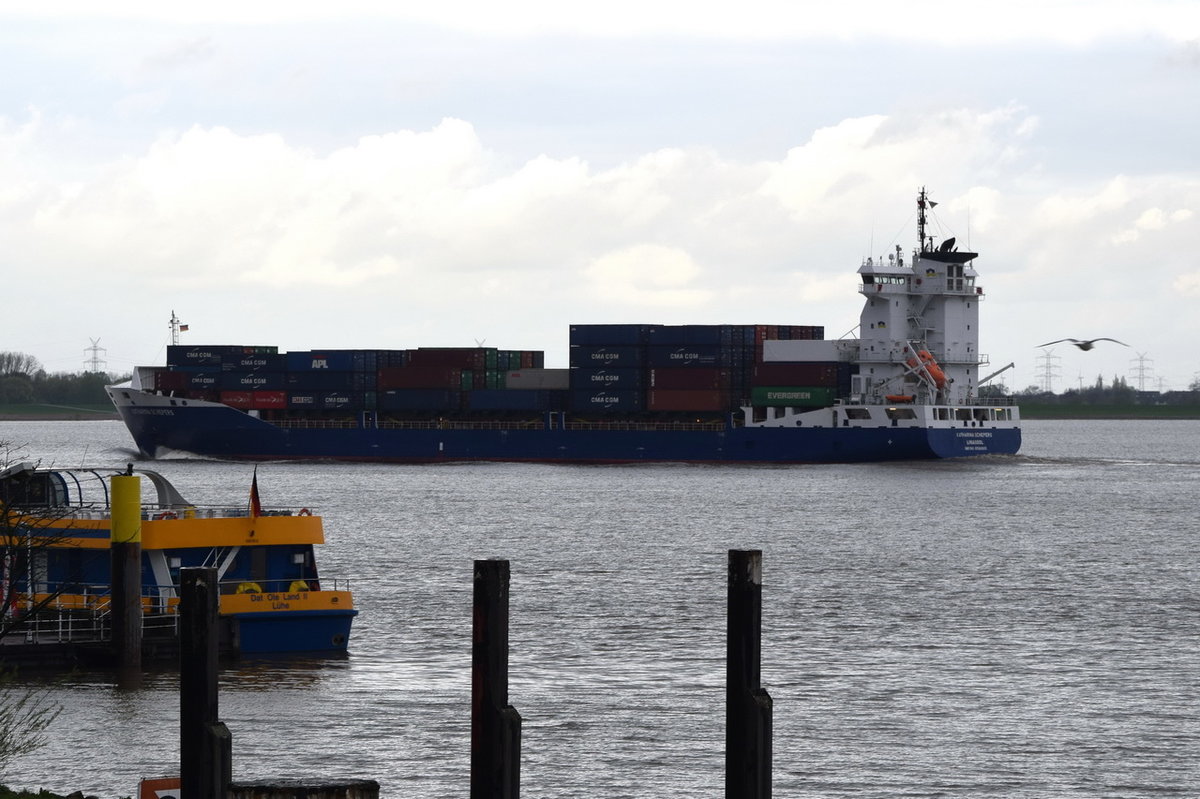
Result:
x=919 y=327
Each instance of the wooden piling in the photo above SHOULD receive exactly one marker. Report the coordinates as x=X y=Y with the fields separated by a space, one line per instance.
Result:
x=495 y=724
x=205 y=746
x=125 y=593
x=748 y=708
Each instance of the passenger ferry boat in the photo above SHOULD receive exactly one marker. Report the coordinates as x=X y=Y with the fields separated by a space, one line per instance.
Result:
x=909 y=386
x=56 y=581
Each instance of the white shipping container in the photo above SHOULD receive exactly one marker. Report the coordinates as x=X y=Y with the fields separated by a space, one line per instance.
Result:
x=799 y=350
x=538 y=378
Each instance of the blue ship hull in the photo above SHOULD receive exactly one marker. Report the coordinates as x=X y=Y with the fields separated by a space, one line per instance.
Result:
x=318 y=631
x=218 y=431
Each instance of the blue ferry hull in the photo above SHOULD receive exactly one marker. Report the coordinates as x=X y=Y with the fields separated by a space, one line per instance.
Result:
x=222 y=432
x=272 y=633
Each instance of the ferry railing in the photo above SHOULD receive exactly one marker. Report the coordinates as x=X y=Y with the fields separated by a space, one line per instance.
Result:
x=216 y=512
x=81 y=614
x=283 y=585
x=84 y=613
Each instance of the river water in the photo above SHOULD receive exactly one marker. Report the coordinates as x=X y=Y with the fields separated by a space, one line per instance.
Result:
x=1023 y=626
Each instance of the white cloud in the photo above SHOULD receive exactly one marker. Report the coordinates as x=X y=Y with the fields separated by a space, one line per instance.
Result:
x=646 y=275
x=1152 y=219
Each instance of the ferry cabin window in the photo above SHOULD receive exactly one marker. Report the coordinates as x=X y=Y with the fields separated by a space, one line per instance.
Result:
x=33 y=491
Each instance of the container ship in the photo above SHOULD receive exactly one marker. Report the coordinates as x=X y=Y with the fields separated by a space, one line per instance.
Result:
x=907 y=386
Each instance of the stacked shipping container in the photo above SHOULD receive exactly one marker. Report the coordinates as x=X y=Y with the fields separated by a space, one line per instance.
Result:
x=673 y=368
x=426 y=379
x=614 y=369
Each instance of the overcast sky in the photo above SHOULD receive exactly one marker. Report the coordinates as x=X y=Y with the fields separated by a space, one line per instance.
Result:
x=359 y=175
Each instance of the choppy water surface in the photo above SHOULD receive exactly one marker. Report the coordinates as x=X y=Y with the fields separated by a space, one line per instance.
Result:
x=999 y=627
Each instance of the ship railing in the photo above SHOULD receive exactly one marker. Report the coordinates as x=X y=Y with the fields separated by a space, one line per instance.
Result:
x=490 y=424
x=643 y=426
x=317 y=424
x=999 y=402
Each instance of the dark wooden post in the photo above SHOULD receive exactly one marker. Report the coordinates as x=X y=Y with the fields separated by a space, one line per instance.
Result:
x=205 y=746
x=748 y=707
x=495 y=724
x=125 y=595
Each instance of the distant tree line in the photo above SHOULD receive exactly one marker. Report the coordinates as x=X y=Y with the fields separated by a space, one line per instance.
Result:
x=24 y=381
x=1115 y=392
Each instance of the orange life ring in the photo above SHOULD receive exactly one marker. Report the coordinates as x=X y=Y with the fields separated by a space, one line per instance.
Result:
x=167 y=514
x=304 y=512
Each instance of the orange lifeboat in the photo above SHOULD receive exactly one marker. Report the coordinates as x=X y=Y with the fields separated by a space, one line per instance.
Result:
x=899 y=398
x=931 y=366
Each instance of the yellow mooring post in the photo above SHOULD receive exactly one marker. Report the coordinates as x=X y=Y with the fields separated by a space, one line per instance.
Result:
x=126 y=552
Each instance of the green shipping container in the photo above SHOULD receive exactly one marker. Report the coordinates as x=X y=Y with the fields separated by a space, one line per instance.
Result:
x=792 y=396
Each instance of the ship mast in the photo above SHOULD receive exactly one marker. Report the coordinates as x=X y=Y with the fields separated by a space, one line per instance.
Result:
x=174 y=328
x=921 y=201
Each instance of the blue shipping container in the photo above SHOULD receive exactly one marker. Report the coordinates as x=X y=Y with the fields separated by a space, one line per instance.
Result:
x=304 y=382
x=252 y=381
x=606 y=401
x=608 y=335
x=507 y=399
x=254 y=363
x=692 y=355
x=604 y=379
x=204 y=380
x=607 y=357
x=331 y=360
x=419 y=399
x=691 y=335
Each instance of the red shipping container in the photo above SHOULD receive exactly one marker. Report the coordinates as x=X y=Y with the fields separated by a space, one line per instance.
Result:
x=704 y=400
x=270 y=399
x=689 y=378
x=165 y=380
x=394 y=377
x=238 y=399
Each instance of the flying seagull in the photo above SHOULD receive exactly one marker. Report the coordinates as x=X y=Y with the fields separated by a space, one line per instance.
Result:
x=1084 y=345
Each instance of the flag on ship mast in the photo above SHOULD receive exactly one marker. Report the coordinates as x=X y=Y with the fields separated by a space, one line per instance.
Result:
x=255 y=505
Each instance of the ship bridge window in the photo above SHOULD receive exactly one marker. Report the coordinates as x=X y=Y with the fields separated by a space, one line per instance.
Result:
x=858 y=413
x=901 y=413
